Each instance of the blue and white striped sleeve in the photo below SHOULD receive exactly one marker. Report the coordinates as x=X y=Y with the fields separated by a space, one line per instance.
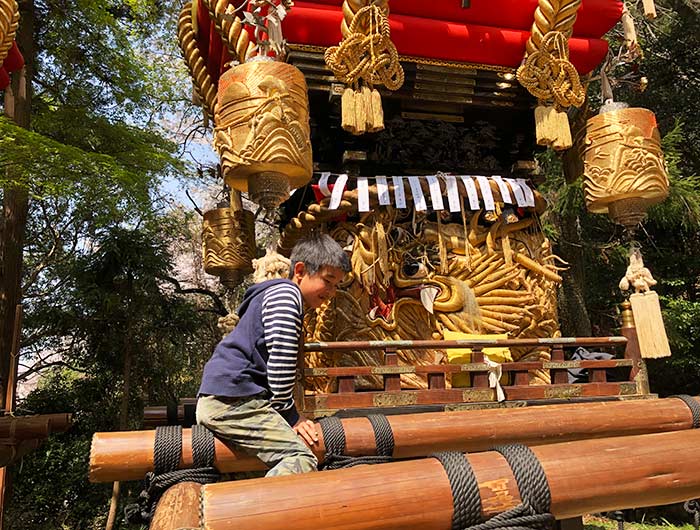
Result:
x=281 y=319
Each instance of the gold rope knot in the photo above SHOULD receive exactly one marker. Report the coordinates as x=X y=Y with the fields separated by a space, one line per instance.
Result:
x=371 y=57
x=549 y=75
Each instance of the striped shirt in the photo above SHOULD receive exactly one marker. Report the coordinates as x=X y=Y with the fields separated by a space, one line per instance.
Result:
x=281 y=319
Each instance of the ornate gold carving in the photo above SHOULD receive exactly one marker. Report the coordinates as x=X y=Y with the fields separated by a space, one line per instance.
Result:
x=624 y=165
x=263 y=129
x=412 y=279
x=228 y=240
x=9 y=20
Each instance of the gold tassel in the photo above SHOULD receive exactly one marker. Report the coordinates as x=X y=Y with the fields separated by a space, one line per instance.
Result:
x=651 y=332
x=552 y=128
x=377 y=112
x=367 y=102
x=649 y=8
x=348 y=110
x=360 y=112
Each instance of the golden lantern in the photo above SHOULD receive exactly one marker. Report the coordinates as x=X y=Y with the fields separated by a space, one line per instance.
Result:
x=228 y=241
x=262 y=133
x=624 y=169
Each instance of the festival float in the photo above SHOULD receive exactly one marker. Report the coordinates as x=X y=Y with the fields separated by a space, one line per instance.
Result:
x=407 y=131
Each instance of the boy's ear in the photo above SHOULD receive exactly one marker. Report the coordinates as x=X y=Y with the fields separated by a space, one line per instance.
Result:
x=299 y=269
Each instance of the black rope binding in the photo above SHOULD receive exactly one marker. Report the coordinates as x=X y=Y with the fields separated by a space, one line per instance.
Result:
x=167 y=450
x=693 y=406
x=693 y=508
x=531 y=514
x=465 y=489
x=334 y=440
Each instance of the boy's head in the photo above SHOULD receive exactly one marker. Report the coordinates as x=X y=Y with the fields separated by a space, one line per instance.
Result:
x=319 y=264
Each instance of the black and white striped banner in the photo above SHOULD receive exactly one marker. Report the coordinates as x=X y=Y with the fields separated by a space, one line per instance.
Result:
x=513 y=191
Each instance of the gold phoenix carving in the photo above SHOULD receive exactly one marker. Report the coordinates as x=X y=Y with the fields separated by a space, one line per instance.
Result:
x=412 y=279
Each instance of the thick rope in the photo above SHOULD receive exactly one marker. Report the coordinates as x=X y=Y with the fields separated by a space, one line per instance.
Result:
x=383 y=435
x=9 y=20
x=231 y=29
x=334 y=440
x=548 y=74
x=531 y=514
x=202 y=81
x=465 y=489
x=552 y=15
x=167 y=451
x=693 y=406
x=368 y=56
x=350 y=9
x=693 y=508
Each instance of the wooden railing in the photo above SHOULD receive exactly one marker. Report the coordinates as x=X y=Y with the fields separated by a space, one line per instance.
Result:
x=347 y=393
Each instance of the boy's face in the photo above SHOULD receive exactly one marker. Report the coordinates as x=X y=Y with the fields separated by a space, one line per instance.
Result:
x=319 y=287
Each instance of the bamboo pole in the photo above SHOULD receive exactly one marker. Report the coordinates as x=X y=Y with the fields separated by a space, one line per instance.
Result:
x=583 y=476
x=129 y=455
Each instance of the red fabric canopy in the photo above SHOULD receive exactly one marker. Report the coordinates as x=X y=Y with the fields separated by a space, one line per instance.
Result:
x=319 y=25
x=490 y=32
x=594 y=17
x=13 y=62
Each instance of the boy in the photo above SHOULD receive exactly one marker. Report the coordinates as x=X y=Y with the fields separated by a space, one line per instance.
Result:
x=246 y=393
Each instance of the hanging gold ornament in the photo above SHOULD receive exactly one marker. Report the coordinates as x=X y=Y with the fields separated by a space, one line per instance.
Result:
x=262 y=133
x=228 y=241
x=624 y=169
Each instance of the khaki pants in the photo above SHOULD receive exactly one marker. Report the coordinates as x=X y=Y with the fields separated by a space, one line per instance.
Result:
x=253 y=426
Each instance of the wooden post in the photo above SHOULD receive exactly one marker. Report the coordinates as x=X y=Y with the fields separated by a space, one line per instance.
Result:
x=392 y=382
x=178 y=508
x=479 y=379
x=559 y=377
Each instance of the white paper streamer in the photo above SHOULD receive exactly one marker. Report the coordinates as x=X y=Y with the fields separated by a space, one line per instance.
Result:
x=435 y=192
x=399 y=195
x=383 y=191
x=323 y=183
x=417 y=192
x=486 y=193
x=337 y=193
x=517 y=191
x=452 y=193
x=529 y=195
x=471 y=192
x=505 y=192
x=362 y=194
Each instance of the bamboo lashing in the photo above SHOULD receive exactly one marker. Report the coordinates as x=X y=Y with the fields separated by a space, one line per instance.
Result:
x=548 y=74
x=653 y=469
x=366 y=54
x=129 y=455
x=9 y=20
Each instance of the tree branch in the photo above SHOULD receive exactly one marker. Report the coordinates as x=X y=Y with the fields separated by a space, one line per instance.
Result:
x=220 y=307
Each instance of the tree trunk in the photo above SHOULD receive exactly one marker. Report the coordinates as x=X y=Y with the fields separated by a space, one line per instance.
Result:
x=15 y=201
x=573 y=314
x=123 y=419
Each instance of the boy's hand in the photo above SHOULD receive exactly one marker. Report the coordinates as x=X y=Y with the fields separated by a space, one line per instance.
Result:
x=307 y=430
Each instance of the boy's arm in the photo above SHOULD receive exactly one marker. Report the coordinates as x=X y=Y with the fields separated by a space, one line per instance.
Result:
x=281 y=318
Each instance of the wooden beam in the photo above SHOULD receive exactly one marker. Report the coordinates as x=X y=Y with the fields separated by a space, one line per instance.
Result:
x=129 y=455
